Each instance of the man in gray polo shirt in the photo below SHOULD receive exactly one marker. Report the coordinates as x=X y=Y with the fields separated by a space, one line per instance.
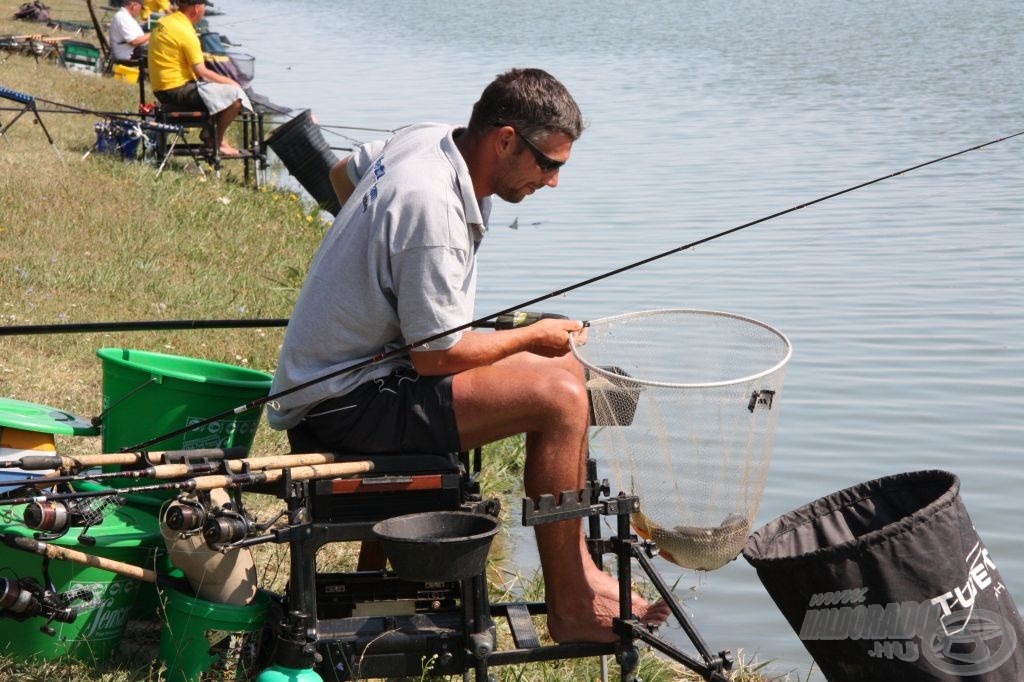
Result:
x=398 y=266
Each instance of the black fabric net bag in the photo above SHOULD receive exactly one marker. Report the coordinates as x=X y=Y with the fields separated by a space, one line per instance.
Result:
x=888 y=580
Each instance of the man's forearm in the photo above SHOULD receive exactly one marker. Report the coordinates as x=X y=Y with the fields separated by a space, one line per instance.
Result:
x=474 y=349
x=340 y=181
x=549 y=338
x=207 y=74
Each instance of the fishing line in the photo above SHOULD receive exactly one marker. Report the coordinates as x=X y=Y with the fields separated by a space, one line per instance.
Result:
x=240 y=22
x=347 y=138
x=558 y=292
x=374 y=130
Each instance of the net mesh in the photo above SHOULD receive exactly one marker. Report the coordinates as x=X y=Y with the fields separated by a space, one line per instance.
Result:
x=686 y=404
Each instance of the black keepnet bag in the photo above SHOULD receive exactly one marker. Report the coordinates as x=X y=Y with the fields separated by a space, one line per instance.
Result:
x=888 y=580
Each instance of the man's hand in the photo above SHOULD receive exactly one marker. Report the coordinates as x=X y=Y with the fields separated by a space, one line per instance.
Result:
x=551 y=337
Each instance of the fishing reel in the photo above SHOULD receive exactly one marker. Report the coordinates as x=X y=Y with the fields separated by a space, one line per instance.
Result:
x=187 y=517
x=27 y=598
x=53 y=518
x=222 y=527
x=226 y=526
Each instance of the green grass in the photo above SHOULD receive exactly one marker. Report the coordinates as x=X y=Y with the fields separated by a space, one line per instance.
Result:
x=102 y=240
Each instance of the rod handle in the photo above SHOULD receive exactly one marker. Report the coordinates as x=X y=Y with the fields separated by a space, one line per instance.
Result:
x=68 y=554
x=38 y=462
x=298 y=473
x=281 y=461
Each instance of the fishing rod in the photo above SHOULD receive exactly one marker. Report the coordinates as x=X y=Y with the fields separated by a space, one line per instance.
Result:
x=126 y=115
x=57 y=552
x=74 y=109
x=200 y=483
x=24 y=598
x=190 y=468
x=511 y=321
x=99 y=29
x=139 y=325
x=259 y=402
x=68 y=463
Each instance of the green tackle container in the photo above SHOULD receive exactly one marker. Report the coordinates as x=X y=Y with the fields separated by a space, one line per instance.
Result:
x=126 y=535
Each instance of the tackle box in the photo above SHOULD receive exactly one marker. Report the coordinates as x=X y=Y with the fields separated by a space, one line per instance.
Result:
x=80 y=56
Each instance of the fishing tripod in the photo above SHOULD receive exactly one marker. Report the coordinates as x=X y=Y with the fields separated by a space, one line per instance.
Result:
x=374 y=623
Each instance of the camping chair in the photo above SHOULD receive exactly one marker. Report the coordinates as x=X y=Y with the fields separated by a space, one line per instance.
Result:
x=186 y=121
x=177 y=144
x=29 y=103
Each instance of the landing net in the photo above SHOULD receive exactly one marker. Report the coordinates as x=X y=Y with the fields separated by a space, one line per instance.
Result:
x=686 y=403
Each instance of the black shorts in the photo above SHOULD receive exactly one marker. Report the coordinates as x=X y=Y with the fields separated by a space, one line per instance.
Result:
x=402 y=412
x=183 y=98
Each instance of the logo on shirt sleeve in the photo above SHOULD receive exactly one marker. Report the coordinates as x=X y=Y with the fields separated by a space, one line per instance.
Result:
x=378 y=172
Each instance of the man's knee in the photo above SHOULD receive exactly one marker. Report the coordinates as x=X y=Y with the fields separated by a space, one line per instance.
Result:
x=563 y=391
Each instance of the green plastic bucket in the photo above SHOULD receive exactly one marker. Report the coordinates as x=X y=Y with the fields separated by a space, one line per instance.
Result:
x=200 y=637
x=124 y=535
x=146 y=602
x=148 y=394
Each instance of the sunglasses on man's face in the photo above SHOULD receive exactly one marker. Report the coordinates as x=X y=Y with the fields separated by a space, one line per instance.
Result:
x=544 y=162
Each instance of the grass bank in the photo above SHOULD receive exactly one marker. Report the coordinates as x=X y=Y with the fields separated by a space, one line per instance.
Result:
x=102 y=240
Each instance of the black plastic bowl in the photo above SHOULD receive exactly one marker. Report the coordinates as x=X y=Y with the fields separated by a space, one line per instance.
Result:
x=438 y=546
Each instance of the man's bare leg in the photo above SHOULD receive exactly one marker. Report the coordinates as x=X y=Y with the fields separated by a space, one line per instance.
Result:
x=224 y=119
x=546 y=399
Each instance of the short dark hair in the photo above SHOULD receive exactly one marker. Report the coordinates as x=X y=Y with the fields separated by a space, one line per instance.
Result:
x=530 y=100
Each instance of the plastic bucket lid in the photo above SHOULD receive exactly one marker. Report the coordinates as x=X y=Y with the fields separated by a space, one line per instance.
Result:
x=148 y=394
x=305 y=153
x=124 y=535
x=199 y=635
x=19 y=414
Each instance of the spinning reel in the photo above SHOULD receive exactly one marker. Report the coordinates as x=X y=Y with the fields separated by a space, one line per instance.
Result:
x=26 y=598
x=222 y=527
x=53 y=518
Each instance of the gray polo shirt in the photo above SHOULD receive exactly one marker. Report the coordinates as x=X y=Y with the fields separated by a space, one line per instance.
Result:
x=397 y=266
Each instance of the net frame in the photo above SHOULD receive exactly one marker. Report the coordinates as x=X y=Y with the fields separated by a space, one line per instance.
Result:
x=619 y=379
x=712 y=487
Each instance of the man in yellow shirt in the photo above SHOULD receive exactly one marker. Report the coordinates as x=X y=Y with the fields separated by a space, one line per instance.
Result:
x=180 y=78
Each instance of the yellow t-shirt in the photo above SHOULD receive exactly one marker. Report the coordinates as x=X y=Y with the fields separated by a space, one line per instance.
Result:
x=173 y=50
x=151 y=6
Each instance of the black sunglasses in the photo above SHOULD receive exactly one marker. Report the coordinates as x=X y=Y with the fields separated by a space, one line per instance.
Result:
x=544 y=162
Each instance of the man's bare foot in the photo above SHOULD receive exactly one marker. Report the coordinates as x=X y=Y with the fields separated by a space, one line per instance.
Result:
x=587 y=615
x=228 y=150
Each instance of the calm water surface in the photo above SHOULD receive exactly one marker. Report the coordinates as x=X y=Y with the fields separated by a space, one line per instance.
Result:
x=903 y=300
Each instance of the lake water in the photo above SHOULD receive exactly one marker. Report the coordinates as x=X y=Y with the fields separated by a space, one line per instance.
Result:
x=904 y=300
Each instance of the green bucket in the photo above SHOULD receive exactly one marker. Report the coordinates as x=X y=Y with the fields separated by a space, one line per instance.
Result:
x=124 y=535
x=200 y=637
x=146 y=602
x=148 y=394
